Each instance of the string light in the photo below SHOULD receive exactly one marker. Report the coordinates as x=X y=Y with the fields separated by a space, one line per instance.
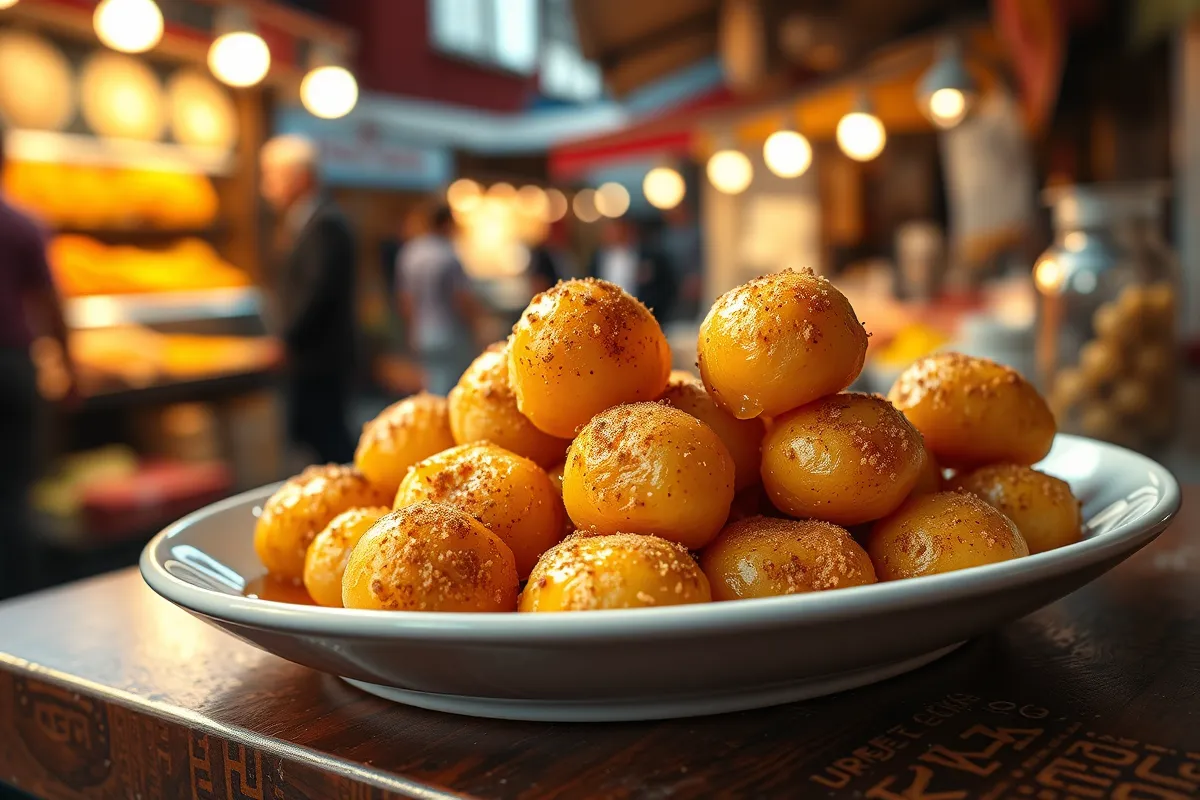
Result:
x=730 y=171
x=787 y=153
x=612 y=199
x=463 y=195
x=556 y=205
x=664 y=188
x=860 y=134
x=130 y=26
x=947 y=91
x=584 y=205
x=531 y=201
x=238 y=56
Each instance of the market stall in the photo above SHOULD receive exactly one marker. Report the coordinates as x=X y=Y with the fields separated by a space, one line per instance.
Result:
x=133 y=137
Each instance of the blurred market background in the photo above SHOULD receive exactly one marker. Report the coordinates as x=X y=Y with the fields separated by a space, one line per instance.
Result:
x=1018 y=179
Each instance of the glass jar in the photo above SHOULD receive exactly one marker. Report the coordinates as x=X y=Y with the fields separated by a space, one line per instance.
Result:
x=1109 y=289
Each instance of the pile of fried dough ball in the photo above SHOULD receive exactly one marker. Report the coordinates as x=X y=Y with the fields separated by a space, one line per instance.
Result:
x=571 y=469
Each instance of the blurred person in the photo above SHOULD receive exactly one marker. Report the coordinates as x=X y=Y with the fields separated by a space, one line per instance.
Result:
x=548 y=260
x=682 y=245
x=28 y=298
x=315 y=255
x=639 y=270
x=437 y=302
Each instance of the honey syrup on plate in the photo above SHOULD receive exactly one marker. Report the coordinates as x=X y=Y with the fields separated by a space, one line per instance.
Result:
x=266 y=587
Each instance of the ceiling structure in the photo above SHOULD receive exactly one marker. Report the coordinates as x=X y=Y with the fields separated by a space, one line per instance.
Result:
x=760 y=42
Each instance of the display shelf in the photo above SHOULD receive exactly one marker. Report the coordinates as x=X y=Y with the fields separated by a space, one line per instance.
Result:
x=73 y=148
x=182 y=391
x=143 y=235
x=105 y=311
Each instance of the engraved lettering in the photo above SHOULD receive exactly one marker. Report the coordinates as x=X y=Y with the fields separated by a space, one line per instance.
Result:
x=1140 y=791
x=900 y=730
x=1073 y=778
x=917 y=790
x=1106 y=754
x=1145 y=771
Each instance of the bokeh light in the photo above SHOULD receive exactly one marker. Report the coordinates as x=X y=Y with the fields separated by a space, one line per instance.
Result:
x=584 y=205
x=239 y=58
x=612 y=199
x=130 y=26
x=861 y=136
x=329 y=92
x=531 y=201
x=730 y=171
x=947 y=107
x=787 y=153
x=463 y=195
x=664 y=188
x=556 y=205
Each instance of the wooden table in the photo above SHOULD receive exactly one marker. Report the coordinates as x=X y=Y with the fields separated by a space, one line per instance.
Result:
x=107 y=691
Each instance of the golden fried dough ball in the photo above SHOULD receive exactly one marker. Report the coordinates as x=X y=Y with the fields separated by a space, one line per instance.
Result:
x=581 y=347
x=929 y=480
x=847 y=458
x=483 y=407
x=512 y=496
x=430 y=557
x=973 y=411
x=325 y=563
x=942 y=532
x=403 y=434
x=588 y=571
x=1041 y=506
x=743 y=437
x=649 y=468
x=765 y=557
x=778 y=342
x=301 y=508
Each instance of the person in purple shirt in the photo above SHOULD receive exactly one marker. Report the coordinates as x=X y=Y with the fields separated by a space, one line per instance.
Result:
x=28 y=303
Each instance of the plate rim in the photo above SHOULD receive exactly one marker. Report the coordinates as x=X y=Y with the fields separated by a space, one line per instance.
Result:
x=684 y=620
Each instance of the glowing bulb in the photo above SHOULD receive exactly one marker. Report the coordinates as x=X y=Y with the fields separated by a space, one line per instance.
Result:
x=463 y=195
x=730 y=171
x=861 y=135
x=584 y=205
x=131 y=26
x=329 y=92
x=947 y=107
x=239 y=58
x=787 y=153
x=556 y=205
x=1048 y=274
x=664 y=188
x=612 y=199
x=7 y=4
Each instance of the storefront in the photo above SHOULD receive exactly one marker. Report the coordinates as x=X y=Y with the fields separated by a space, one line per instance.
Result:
x=142 y=166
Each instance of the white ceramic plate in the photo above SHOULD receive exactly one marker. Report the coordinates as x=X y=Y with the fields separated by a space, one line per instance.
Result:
x=665 y=662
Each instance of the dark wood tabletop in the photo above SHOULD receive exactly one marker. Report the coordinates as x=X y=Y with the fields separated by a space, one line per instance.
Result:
x=107 y=691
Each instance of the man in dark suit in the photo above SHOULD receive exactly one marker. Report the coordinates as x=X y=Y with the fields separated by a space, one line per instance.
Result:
x=315 y=285
x=636 y=268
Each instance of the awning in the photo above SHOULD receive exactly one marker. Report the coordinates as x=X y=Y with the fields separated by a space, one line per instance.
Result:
x=666 y=136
